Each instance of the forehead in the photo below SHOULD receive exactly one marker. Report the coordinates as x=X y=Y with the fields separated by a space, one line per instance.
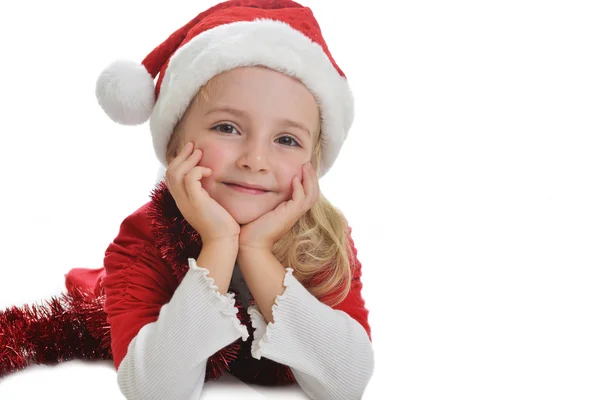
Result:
x=258 y=88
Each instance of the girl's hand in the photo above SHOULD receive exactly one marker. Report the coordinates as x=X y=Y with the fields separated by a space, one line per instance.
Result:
x=265 y=231
x=203 y=213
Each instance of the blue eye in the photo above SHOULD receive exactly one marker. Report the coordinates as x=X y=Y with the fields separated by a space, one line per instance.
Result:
x=287 y=141
x=225 y=128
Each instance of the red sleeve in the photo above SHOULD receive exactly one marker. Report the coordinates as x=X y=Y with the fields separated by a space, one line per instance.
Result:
x=137 y=283
x=354 y=304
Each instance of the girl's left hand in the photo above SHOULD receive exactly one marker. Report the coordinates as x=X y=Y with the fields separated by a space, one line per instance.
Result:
x=265 y=231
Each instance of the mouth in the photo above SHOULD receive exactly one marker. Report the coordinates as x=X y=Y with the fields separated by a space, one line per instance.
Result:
x=246 y=189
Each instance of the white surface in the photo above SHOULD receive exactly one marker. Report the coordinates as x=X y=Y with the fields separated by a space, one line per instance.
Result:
x=471 y=179
x=97 y=381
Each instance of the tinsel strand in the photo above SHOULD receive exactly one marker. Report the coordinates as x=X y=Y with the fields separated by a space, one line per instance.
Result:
x=53 y=332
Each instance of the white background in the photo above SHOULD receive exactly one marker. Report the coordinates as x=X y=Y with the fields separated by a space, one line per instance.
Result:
x=470 y=177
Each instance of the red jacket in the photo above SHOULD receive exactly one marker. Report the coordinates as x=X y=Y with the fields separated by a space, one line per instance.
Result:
x=143 y=266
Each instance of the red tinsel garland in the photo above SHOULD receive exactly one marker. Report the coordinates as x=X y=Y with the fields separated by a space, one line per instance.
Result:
x=66 y=327
x=73 y=325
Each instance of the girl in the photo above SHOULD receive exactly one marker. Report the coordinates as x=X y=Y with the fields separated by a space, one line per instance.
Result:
x=237 y=263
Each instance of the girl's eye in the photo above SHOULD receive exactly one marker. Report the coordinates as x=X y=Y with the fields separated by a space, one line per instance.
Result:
x=287 y=140
x=225 y=128
x=230 y=129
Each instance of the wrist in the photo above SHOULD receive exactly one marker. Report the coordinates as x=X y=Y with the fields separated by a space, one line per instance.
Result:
x=225 y=250
x=218 y=257
x=222 y=243
x=255 y=245
x=251 y=250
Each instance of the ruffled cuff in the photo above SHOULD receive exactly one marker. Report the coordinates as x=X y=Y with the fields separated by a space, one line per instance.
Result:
x=262 y=330
x=226 y=302
x=328 y=352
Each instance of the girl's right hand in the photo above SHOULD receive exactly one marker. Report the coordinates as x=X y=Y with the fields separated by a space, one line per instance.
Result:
x=202 y=212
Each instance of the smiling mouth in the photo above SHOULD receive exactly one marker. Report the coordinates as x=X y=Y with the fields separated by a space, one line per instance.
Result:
x=243 y=189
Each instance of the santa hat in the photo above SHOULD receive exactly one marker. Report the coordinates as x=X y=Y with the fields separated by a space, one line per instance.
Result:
x=278 y=34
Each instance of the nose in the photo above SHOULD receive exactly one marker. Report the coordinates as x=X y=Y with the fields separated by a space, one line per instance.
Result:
x=253 y=156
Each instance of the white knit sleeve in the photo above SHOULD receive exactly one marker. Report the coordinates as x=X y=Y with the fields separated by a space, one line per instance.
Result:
x=167 y=359
x=329 y=352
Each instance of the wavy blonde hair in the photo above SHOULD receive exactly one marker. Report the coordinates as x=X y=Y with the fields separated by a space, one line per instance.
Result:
x=317 y=246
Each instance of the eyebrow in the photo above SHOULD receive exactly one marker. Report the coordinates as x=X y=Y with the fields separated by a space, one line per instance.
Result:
x=243 y=114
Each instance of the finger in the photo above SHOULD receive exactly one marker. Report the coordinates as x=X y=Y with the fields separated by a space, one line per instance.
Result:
x=181 y=156
x=307 y=187
x=193 y=180
x=307 y=181
x=187 y=161
x=312 y=186
x=173 y=177
x=298 y=190
x=196 y=174
x=190 y=162
x=186 y=166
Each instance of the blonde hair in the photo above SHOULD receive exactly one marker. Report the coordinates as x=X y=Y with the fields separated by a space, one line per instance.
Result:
x=317 y=246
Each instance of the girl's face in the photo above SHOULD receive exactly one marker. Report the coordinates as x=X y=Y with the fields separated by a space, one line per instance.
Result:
x=256 y=127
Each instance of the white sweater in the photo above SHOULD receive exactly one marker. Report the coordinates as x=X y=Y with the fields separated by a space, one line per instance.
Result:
x=328 y=352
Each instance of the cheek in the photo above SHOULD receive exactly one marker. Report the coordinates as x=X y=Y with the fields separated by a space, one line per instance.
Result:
x=213 y=156
x=285 y=176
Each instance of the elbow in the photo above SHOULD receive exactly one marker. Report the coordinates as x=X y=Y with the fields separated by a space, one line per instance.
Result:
x=359 y=376
x=363 y=373
x=346 y=382
x=128 y=382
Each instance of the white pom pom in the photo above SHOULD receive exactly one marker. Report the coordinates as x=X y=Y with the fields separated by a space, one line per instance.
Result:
x=125 y=91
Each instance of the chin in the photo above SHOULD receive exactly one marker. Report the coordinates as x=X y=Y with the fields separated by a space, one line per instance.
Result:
x=245 y=220
x=246 y=216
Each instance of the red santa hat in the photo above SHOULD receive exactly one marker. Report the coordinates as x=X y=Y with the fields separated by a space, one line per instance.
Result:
x=278 y=34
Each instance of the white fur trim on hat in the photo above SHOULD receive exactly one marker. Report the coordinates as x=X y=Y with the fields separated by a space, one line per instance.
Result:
x=125 y=90
x=264 y=42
